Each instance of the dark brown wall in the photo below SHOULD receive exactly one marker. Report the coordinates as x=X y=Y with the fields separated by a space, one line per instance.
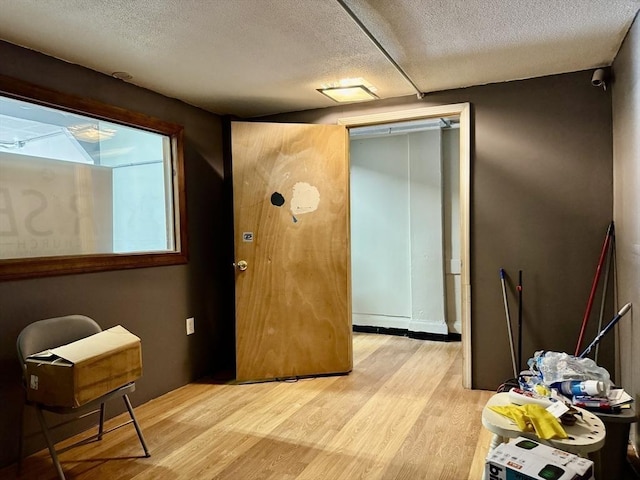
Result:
x=541 y=201
x=153 y=303
x=626 y=168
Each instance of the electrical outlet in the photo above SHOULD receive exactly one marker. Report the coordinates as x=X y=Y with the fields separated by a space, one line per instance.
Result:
x=191 y=325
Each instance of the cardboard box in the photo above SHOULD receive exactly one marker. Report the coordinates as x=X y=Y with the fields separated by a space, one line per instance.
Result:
x=525 y=459
x=75 y=374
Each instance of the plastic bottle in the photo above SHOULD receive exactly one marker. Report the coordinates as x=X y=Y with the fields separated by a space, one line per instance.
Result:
x=594 y=388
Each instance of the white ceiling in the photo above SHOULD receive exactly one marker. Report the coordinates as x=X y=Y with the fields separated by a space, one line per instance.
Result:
x=258 y=57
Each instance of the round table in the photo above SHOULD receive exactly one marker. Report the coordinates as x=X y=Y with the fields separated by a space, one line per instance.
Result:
x=586 y=436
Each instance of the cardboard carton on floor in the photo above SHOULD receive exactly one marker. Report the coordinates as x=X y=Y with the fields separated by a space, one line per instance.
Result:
x=525 y=459
x=74 y=374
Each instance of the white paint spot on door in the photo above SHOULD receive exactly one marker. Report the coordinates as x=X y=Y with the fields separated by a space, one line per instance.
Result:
x=305 y=198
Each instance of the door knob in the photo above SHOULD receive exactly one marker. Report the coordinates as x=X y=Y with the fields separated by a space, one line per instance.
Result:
x=242 y=265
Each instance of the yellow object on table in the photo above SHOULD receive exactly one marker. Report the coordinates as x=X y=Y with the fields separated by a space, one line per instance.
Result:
x=585 y=437
x=532 y=418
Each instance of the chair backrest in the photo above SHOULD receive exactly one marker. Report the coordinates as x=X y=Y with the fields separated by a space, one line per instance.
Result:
x=54 y=332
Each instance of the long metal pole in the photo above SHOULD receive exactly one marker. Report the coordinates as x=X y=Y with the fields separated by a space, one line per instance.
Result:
x=594 y=286
x=519 y=288
x=595 y=342
x=366 y=31
x=605 y=287
x=506 y=310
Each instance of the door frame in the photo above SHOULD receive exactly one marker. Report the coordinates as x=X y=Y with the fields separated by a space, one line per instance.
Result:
x=463 y=111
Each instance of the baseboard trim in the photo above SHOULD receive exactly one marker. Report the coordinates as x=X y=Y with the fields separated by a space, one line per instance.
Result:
x=403 y=332
x=438 y=337
x=400 y=332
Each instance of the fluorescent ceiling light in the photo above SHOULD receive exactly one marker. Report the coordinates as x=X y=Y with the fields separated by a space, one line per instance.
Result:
x=352 y=93
x=91 y=133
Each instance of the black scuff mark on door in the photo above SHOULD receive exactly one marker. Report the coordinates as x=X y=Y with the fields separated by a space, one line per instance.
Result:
x=277 y=199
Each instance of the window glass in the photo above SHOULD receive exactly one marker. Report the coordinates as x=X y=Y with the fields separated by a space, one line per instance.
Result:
x=73 y=185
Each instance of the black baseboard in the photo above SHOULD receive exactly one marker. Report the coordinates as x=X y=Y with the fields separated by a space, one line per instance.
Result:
x=403 y=332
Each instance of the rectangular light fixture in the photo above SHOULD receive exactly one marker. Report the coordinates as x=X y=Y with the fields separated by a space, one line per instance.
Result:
x=350 y=93
x=91 y=133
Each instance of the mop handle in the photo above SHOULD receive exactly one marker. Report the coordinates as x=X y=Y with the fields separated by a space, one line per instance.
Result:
x=506 y=310
x=596 y=340
x=594 y=286
x=519 y=289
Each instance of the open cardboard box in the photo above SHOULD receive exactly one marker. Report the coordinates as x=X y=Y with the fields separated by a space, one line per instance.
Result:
x=79 y=372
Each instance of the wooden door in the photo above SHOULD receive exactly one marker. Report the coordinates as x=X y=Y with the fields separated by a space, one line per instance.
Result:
x=291 y=226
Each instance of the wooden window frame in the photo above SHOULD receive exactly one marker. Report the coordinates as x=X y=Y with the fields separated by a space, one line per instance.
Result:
x=22 y=268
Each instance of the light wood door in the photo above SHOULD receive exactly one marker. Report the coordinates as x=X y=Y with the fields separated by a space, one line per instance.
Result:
x=291 y=227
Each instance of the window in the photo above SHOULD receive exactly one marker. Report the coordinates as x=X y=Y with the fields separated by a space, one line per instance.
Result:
x=85 y=186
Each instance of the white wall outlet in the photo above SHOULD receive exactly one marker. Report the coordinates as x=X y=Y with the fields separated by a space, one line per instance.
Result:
x=191 y=325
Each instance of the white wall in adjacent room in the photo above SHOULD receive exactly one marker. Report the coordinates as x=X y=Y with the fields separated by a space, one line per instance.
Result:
x=404 y=265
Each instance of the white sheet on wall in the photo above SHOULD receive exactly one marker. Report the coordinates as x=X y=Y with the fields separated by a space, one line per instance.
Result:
x=380 y=244
x=425 y=229
x=51 y=207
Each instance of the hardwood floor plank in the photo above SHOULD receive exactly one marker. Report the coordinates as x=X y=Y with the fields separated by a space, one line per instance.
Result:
x=380 y=426
x=345 y=399
x=401 y=414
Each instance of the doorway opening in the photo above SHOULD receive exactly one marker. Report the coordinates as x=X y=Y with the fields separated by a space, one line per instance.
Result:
x=410 y=222
x=405 y=228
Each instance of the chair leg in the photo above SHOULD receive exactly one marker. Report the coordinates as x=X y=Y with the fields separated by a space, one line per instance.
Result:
x=101 y=422
x=127 y=402
x=21 y=440
x=50 y=444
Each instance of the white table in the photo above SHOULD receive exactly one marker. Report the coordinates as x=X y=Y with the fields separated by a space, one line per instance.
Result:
x=586 y=436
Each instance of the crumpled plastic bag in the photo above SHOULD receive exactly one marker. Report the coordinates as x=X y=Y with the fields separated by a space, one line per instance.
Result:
x=533 y=418
x=554 y=367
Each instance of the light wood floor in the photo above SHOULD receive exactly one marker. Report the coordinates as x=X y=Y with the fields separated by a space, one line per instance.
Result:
x=401 y=414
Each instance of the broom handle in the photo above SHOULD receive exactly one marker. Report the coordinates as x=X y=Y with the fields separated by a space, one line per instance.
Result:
x=594 y=286
x=604 y=331
x=506 y=310
x=519 y=288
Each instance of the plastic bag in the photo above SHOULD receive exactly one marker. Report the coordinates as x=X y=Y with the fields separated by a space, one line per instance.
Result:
x=554 y=367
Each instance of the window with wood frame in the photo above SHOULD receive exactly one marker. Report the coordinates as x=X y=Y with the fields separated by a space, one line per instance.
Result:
x=86 y=186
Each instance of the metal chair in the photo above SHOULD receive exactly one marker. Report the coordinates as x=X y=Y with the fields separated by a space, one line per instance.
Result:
x=51 y=333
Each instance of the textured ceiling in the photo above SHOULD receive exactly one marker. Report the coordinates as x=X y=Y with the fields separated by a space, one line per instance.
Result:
x=258 y=57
